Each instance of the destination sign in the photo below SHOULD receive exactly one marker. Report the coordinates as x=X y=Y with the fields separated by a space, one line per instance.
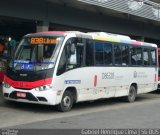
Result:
x=42 y=40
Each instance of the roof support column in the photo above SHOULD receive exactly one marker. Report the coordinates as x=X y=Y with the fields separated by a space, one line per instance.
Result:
x=42 y=26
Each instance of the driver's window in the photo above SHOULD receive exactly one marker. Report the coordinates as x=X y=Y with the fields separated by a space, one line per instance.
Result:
x=72 y=55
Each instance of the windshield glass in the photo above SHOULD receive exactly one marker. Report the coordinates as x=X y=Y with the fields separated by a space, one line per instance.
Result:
x=36 y=53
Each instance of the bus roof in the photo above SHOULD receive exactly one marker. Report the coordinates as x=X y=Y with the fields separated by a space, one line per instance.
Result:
x=118 y=38
x=49 y=33
x=103 y=36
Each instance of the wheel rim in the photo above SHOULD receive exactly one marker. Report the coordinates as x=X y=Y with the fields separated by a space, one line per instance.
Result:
x=67 y=101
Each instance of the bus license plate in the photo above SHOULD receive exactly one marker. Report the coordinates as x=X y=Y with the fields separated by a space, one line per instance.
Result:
x=20 y=94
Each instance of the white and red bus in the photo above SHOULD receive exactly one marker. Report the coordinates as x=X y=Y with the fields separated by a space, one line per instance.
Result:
x=2 y=70
x=158 y=69
x=63 y=68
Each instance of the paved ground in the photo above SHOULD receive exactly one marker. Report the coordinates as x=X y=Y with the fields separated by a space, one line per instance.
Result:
x=110 y=113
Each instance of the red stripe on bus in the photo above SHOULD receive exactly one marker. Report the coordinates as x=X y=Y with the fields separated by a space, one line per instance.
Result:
x=95 y=80
x=136 y=42
x=52 y=32
x=157 y=57
x=27 y=85
x=155 y=77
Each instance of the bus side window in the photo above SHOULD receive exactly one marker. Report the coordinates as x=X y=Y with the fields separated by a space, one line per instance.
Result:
x=80 y=55
x=133 y=52
x=62 y=63
x=153 y=57
x=89 y=60
x=146 y=56
x=139 y=56
x=76 y=56
x=125 y=55
x=117 y=54
x=108 y=54
x=72 y=56
x=136 y=56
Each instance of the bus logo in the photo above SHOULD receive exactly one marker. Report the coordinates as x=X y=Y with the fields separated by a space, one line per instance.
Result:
x=72 y=82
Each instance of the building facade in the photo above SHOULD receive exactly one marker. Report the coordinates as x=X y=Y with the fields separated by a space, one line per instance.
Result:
x=139 y=19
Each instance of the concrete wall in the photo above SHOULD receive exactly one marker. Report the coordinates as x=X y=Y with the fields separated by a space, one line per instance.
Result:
x=40 y=10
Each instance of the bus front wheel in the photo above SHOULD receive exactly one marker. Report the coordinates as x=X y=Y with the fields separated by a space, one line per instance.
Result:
x=66 y=102
x=131 y=95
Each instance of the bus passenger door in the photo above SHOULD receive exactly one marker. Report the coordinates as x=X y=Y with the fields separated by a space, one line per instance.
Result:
x=69 y=69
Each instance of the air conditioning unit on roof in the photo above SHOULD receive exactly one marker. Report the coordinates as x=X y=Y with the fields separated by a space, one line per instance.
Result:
x=122 y=37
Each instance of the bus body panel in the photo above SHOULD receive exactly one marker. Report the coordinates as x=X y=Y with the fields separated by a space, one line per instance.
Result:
x=50 y=95
x=110 y=81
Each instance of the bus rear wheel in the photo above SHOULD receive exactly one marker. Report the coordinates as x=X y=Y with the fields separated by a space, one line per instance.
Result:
x=131 y=95
x=66 y=102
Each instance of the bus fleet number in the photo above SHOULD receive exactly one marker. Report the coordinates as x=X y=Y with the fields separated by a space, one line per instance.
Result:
x=109 y=75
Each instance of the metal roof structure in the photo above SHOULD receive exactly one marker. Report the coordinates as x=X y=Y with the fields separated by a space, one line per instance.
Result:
x=129 y=17
x=141 y=8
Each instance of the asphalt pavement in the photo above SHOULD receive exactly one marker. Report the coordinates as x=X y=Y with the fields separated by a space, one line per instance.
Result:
x=109 y=113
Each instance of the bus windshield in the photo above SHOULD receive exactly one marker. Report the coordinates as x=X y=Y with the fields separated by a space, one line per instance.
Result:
x=36 y=53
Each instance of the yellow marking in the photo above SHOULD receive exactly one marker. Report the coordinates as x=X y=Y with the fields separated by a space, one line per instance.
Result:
x=111 y=39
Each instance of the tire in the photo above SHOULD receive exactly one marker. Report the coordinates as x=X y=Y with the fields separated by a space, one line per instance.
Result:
x=66 y=102
x=131 y=95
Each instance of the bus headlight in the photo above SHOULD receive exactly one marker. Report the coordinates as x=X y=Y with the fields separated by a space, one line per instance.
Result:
x=42 y=88
x=6 y=85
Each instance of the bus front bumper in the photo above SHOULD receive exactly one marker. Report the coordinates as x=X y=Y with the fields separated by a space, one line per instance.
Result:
x=46 y=97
